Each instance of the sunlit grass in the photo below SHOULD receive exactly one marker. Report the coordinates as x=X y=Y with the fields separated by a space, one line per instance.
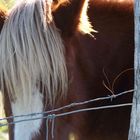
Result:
x=6 y=4
x=3 y=133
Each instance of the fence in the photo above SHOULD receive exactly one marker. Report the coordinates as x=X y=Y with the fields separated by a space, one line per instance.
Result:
x=134 y=132
x=52 y=114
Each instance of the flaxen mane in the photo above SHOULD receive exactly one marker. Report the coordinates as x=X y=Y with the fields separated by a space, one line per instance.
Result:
x=32 y=52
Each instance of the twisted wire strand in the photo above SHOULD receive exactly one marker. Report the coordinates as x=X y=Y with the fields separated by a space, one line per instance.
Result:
x=70 y=105
x=53 y=116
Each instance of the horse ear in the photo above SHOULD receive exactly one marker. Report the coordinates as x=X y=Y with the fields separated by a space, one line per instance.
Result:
x=68 y=18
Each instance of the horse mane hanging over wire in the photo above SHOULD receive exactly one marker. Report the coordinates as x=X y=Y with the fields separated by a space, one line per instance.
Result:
x=32 y=53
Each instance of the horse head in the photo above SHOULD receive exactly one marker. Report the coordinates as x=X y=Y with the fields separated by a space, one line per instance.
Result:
x=33 y=60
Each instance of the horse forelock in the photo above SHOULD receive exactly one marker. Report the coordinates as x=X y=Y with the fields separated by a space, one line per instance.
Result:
x=32 y=52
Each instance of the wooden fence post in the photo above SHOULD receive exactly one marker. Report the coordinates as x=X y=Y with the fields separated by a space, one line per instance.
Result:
x=134 y=131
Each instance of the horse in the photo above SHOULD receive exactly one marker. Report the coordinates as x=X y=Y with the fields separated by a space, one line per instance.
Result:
x=51 y=55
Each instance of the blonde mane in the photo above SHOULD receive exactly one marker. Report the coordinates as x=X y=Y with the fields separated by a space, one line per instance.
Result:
x=32 y=53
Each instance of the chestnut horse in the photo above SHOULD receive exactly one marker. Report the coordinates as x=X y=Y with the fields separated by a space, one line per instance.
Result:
x=49 y=50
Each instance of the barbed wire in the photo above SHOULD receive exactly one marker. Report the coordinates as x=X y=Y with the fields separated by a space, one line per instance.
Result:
x=51 y=115
x=71 y=105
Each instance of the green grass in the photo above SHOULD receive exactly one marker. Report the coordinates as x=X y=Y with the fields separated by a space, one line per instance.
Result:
x=3 y=130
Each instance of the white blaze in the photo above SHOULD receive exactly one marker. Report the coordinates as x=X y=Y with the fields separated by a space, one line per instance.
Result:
x=26 y=130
